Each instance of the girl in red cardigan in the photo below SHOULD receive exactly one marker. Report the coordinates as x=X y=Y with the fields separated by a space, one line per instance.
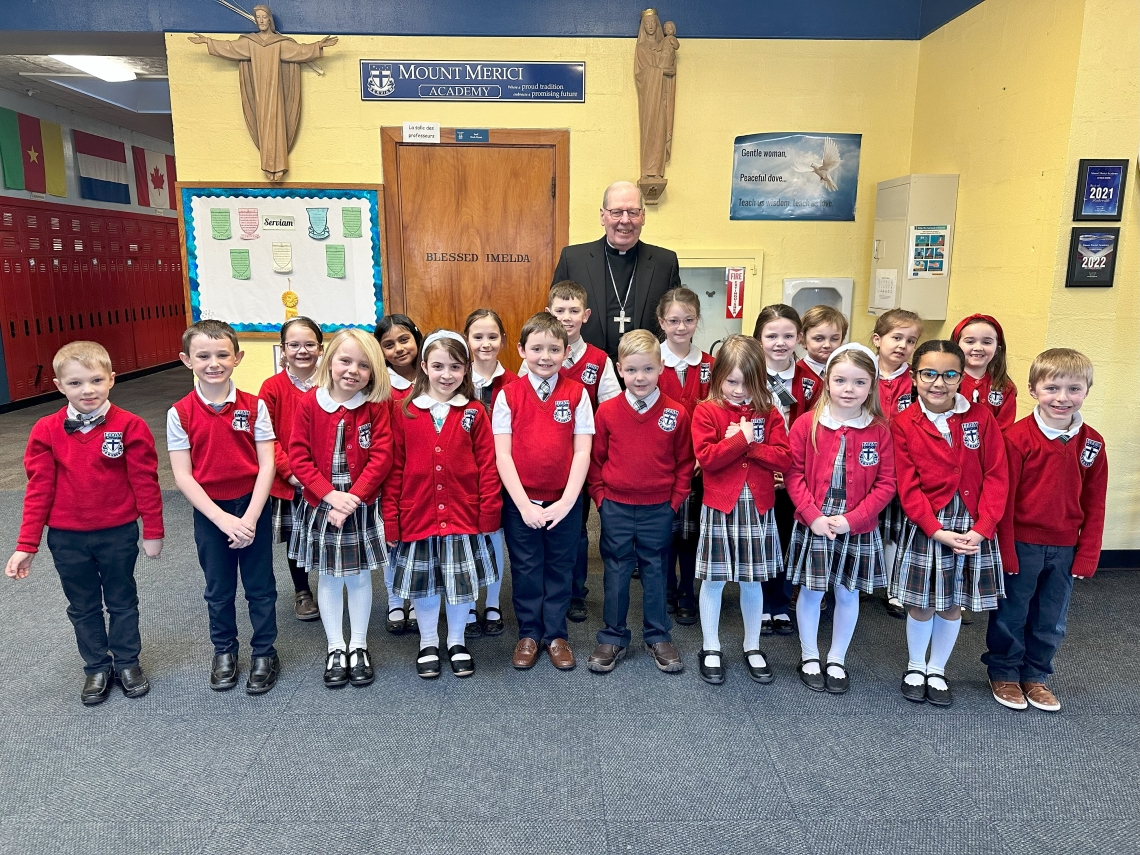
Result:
x=443 y=500
x=740 y=441
x=686 y=378
x=485 y=337
x=301 y=340
x=986 y=380
x=842 y=476
x=341 y=451
x=950 y=465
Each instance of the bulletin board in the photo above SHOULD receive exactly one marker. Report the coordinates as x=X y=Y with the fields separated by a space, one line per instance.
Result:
x=259 y=255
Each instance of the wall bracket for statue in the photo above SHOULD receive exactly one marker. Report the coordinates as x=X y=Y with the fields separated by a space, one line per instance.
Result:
x=655 y=74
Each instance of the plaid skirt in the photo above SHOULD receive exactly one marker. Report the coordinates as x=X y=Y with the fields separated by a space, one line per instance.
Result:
x=357 y=546
x=687 y=522
x=928 y=574
x=851 y=560
x=740 y=546
x=891 y=521
x=454 y=565
x=285 y=514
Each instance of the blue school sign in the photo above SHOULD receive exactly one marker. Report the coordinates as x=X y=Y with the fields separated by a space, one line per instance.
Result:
x=420 y=80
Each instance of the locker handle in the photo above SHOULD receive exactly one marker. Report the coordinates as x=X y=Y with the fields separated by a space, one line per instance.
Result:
x=27 y=329
x=50 y=324
x=39 y=330
x=12 y=328
x=39 y=374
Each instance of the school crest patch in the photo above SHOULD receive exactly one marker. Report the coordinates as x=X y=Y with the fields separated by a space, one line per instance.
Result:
x=758 y=430
x=706 y=372
x=808 y=386
x=668 y=420
x=905 y=401
x=364 y=435
x=562 y=413
x=240 y=420
x=468 y=419
x=590 y=374
x=869 y=454
x=970 y=437
x=113 y=444
x=1089 y=452
x=995 y=398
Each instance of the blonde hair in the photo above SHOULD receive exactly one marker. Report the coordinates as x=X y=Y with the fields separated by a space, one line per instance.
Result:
x=745 y=353
x=639 y=341
x=864 y=363
x=817 y=316
x=89 y=354
x=379 y=387
x=1060 y=362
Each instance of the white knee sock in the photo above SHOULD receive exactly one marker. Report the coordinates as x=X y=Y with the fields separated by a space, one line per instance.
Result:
x=330 y=601
x=359 y=589
x=493 y=594
x=427 y=608
x=710 y=597
x=917 y=641
x=394 y=602
x=456 y=622
x=807 y=616
x=752 y=610
x=943 y=636
x=843 y=624
x=890 y=549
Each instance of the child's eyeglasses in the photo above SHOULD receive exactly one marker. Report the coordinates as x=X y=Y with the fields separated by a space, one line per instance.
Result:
x=929 y=375
x=310 y=346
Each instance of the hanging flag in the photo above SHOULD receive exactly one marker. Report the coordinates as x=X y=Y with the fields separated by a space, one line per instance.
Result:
x=55 y=176
x=102 y=168
x=32 y=154
x=13 y=160
x=154 y=178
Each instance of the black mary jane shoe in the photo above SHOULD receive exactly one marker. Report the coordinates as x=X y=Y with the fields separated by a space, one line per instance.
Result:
x=895 y=609
x=462 y=665
x=133 y=681
x=360 y=671
x=96 y=688
x=413 y=623
x=836 y=685
x=493 y=625
x=782 y=625
x=400 y=625
x=816 y=682
x=713 y=674
x=916 y=693
x=263 y=671
x=427 y=662
x=223 y=672
x=766 y=626
x=938 y=697
x=759 y=673
x=336 y=669
x=474 y=628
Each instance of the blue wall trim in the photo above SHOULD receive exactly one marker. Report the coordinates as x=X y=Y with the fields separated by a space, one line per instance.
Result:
x=737 y=19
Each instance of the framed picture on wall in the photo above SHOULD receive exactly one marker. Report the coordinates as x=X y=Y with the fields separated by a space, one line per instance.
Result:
x=1092 y=257
x=1100 y=190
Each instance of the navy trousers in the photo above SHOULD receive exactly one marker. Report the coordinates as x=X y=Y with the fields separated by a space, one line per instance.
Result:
x=578 y=588
x=635 y=536
x=542 y=571
x=1028 y=626
x=222 y=566
x=97 y=569
x=778 y=590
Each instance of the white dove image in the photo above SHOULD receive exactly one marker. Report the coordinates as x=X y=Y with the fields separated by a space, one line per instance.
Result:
x=824 y=169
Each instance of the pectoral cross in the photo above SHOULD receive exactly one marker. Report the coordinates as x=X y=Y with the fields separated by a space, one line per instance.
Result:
x=621 y=320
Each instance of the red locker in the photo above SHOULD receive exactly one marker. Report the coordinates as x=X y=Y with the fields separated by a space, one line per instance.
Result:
x=20 y=353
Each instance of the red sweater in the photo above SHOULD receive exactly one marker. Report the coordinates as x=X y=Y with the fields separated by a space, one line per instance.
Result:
x=281 y=399
x=896 y=395
x=443 y=483
x=930 y=471
x=223 y=452
x=806 y=387
x=728 y=464
x=870 y=465
x=542 y=436
x=1056 y=494
x=497 y=384
x=90 y=481
x=367 y=445
x=587 y=371
x=696 y=387
x=1002 y=404
x=641 y=458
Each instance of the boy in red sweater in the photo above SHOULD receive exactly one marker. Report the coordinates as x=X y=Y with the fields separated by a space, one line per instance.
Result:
x=92 y=472
x=221 y=450
x=640 y=468
x=1051 y=531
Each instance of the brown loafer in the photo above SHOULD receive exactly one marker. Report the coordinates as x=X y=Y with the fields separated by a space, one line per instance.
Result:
x=666 y=657
x=605 y=658
x=304 y=607
x=561 y=656
x=1008 y=694
x=1038 y=695
x=526 y=654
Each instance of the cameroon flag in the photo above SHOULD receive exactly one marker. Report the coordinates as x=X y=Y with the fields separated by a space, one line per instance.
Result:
x=32 y=153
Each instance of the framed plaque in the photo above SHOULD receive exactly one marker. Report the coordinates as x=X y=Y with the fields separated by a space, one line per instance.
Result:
x=1100 y=190
x=1092 y=257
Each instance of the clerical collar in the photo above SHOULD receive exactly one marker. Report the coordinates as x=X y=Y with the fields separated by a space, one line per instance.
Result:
x=613 y=250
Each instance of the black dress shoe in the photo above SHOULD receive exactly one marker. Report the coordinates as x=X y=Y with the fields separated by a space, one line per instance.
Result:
x=263 y=672
x=474 y=628
x=759 y=673
x=836 y=685
x=493 y=621
x=916 y=693
x=577 y=610
x=134 y=682
x=336 y=669
x=816 y=682
x=224 y=672
x=766 y=626
x=896 y=609
x=360 y=671
x=96 y=688
x=711 y=673
x=782 y=625
x=399 y=624
x=462 y=665
x=938 y=697
x=686 y=615
x=967 y=617
x=412 y=623
x=427 y=662
x=670 y=605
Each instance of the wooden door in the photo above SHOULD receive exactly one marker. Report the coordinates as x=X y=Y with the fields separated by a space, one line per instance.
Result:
x=474 y=225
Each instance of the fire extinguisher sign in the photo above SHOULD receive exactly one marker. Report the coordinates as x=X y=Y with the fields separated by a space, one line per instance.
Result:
x=734 y=292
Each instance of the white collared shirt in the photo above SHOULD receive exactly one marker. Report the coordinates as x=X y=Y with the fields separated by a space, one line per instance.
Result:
x=178 y=440
x=691 y=359
x=479 y=381
x=862 y=420
x=303 y=385
x=73 y=414
x=817 y=367
x=326 y=402
x=649 y=399
x=1053 y=433
x=902 y=369
x=397 y=381
x=583 y=413
x=438 y=409
x=608 y=386
x=942 y=420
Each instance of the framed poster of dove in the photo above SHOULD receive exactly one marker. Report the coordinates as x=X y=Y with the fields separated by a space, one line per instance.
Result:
x=790 y=176
x=257 y=255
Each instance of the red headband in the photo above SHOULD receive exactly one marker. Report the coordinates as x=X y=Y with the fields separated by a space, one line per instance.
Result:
x=989 y=319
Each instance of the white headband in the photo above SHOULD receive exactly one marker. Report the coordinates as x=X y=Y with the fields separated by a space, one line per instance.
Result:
x=438 y=334
x=862 y=348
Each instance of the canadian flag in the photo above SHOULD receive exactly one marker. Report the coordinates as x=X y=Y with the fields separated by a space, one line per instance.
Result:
x=154 y=178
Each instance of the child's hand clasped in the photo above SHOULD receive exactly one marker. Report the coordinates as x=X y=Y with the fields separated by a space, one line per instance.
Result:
x=152 y=548
x=19 y=565
x=343 y=502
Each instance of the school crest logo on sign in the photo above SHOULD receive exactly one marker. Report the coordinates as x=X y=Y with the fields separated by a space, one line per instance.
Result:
x=468 y=419
x=668 y=420
x=1089 y=452
x=808 y=386
x=241 y=420
x=590 y=374
x=995 y=398
x=113 y=444
x=869 y=455
x=364 y=435
x=706 y=372
x=970 y=435
x=562 y=413
x=758 y=430
x=905 y=401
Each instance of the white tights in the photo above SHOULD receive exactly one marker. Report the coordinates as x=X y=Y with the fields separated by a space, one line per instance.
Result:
x=330 y=600
x=751 y=609
x=842 y=628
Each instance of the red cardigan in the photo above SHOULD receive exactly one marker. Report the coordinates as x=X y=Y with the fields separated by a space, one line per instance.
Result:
x=930 y=471
x=806 y=387
x=1002 y=404
x=870 y=465
x=281 y=399
x=896 y=395
x=444 y=483
x=728 y=464
x=696 y=387
x=367 y=444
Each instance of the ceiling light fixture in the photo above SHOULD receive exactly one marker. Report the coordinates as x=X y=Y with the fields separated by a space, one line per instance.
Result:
x=109 y=68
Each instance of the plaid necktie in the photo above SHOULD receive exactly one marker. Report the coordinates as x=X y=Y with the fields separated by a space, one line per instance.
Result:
x=70 y=426
x=544 y=390
x=778 y=388
x=1064 y=439
x=640 y=405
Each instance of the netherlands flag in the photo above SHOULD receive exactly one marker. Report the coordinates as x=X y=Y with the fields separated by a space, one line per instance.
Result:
x=103 y=174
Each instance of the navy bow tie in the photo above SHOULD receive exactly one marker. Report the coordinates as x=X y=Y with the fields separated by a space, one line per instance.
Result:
x=72 y=425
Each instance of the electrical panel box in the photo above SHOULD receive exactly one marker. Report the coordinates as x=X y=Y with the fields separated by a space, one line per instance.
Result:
x=914 y=238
